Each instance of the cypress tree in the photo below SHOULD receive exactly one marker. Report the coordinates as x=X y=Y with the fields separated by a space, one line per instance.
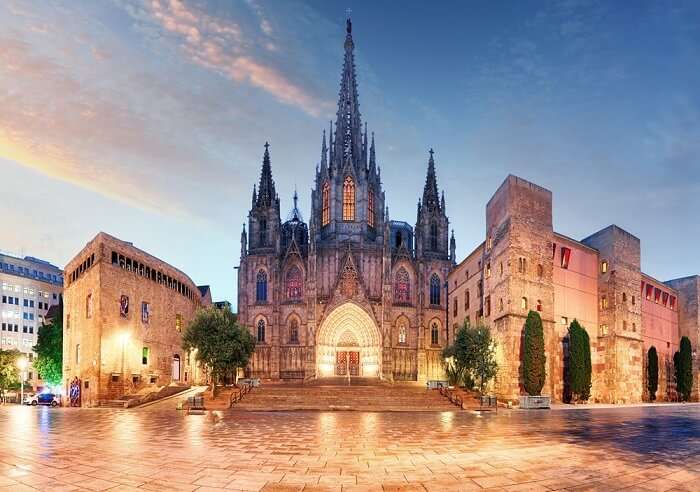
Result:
x=685 y=370
x=533 y=354
x=652 y=373
x=579 y=361
x=677 y=371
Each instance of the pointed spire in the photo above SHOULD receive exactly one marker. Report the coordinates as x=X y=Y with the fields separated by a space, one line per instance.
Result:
x=255 y=195
x=372 y=157
x=330 y=146
x=348 y=125
x=453 y=248
x=364 y=146
x=430 y=191
x=324 y=154
x=244 y=242
x=267 y=192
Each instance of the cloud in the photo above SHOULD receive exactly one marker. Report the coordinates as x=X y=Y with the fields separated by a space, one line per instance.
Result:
x=220 y=45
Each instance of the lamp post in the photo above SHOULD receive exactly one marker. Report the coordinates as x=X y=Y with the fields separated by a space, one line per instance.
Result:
x=22 y=365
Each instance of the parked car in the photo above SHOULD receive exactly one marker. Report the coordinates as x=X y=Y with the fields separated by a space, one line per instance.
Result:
x=43 y=399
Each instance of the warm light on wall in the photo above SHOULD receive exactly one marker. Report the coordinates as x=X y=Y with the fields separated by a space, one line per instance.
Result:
x=327 y=369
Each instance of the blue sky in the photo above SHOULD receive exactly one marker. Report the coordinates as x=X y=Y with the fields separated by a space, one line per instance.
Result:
x=147 y=119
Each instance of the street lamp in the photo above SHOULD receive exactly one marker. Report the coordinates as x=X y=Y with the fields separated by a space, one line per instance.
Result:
x=22 y=365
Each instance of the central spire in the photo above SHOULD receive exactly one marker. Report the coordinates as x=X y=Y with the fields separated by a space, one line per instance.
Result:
x=348 y=126
x=430 y=191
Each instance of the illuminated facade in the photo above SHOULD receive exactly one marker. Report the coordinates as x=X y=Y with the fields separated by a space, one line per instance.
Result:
x=523 y=265
x=124 y=313
x=30 y=287
x=351 y=292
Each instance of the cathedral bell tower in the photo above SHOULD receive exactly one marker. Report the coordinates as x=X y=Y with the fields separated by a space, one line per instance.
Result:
x=432 y=223
x=264 y=216
x=348 y=200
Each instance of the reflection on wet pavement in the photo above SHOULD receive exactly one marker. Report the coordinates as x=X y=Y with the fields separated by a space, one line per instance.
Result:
x=653 y=448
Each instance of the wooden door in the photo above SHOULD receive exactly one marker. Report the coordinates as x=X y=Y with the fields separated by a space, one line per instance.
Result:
x=354 y=363
x=341 y=363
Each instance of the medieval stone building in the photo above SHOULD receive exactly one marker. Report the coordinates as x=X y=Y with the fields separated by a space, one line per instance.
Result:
x=351 y=292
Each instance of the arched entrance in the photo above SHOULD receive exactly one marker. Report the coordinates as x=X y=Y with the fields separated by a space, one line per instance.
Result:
x=176 y=367
x=348 y=342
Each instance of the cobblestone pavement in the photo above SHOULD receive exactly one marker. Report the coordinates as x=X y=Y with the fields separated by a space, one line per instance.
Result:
x=652 y=448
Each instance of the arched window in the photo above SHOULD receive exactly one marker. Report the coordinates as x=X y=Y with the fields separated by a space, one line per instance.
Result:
x=294 y=331
x=455 y=307
x=262 y=239
x=434 y=334
x=370 y=209
x=294 y=283
x=402 y=286
x=326 y=204
x=261 y=331
x=261 y=286
x=434 y=236
x=466 y=300
x=435 y=289
x=402 y=332
x=348 y=199
x=523 y=302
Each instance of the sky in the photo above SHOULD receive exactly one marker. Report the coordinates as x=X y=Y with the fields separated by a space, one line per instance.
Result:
x=147 y=119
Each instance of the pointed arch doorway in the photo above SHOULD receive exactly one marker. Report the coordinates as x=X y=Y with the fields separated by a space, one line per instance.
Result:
x=348 y=343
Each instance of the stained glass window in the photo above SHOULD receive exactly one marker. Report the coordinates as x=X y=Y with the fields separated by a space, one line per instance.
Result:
x=294 y=331
x=294 y=283
x=261 y=286
x=348 y=199
x=402 y=286
x=325 y=204
x=435 y=289
x=370 y=209
x=261 y=331
x=434 y=334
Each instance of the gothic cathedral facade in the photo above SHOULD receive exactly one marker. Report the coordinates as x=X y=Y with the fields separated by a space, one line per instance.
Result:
x=351 y=293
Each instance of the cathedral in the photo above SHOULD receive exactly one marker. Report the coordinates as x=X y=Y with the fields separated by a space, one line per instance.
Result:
x=351 y=292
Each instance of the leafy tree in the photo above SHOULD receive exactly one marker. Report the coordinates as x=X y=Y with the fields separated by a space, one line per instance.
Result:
x=220 y=342
x=472 y=357
x=652 y=372
x=685 y=369
x=49 y=350
x=9 y=372
x=579 y=362
x=533 y=354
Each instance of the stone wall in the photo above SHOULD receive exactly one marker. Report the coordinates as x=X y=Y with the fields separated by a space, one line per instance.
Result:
x=110 y=358
x=689 y=321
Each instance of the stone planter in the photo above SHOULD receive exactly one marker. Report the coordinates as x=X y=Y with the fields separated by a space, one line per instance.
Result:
x=532 y=402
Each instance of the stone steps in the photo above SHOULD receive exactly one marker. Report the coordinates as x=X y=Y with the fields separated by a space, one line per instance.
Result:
x=374 y=397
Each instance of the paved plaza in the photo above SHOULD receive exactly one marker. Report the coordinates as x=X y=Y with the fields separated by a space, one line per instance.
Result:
x=157 y=448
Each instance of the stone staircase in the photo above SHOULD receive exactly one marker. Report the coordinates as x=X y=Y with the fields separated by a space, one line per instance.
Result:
x=335 y=394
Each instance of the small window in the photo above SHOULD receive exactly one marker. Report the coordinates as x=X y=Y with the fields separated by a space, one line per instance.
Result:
x=604 y=302
x=523 y=302
x=466 y=300
x=500 y=269
x=540 y=271
x=500 y=304
x=487 y=306
x=522 y=265
x=604 y=266
x=261 y=331
x=136 y=379
x=434 y=334
x=565 y=257
x=603 y=331
x=624 y=297
x=178 y=323
x=144 y=356
x=564 y=320
x=634 y=300
x=115 y=378
x=455 y=308
x=488 y=270
x=294 y=331
x=153 y=379
x=634 y=327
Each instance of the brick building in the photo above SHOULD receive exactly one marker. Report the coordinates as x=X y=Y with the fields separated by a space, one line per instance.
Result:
x=30 y=288
x=523 y=265
x=124 y=312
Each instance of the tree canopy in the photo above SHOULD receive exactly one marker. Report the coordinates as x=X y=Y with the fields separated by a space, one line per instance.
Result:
x=534 y=358
x=49 y=350
x=219 y=341
x=472 y=358
x=652 y=372
x=9 y=372
x=580 y=368
x=684 y=382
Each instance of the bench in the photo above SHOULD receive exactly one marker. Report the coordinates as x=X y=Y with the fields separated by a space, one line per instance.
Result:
x=195 y=404
x=435 y=384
